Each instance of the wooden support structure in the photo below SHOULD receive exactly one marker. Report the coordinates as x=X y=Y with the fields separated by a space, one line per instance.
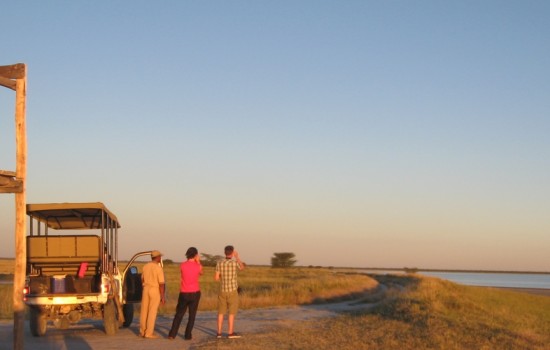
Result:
x=14 y=77
x=9 y=183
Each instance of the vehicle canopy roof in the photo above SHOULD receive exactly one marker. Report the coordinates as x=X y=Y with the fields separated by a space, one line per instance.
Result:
x=73 y=216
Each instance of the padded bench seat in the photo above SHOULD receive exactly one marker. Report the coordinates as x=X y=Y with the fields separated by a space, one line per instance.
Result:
x=68 y=249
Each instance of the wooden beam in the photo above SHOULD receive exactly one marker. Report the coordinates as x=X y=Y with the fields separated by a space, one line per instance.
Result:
x=10 y=84
x=7 y=173
x=14 y=71
x=9 y=183
x=15 y=189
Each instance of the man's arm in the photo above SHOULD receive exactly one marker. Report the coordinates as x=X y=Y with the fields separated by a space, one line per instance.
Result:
x=162 y=295
x=239 y=262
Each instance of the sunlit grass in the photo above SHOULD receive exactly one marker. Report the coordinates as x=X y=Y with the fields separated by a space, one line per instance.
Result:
x=264 y=287
x=421 y=313
x=6 y=301
x=6 y=290
x=6 y=266
x=261 y=287
x=413 y=313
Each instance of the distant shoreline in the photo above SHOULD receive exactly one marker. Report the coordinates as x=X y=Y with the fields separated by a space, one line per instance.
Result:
x=413 y=270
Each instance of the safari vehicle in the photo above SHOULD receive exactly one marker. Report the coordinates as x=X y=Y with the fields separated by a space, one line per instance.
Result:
x=74 y=276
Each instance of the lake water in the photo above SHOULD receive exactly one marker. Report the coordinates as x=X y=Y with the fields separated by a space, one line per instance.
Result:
x=485 y=279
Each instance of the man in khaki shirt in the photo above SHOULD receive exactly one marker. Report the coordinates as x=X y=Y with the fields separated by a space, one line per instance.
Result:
x=153 y=295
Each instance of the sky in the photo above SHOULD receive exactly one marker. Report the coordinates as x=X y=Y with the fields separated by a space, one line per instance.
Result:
x=351 y=133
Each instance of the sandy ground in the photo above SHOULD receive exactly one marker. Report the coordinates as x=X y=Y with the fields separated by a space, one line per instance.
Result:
x=89 y=334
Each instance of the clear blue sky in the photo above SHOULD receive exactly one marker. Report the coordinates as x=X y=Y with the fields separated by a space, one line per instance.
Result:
x=352 y=133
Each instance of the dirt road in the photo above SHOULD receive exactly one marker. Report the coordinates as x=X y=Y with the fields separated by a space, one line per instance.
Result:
x=90 y=335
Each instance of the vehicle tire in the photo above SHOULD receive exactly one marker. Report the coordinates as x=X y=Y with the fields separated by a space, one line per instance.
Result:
x=110 y=321
x=128 y=312
x=38 y=322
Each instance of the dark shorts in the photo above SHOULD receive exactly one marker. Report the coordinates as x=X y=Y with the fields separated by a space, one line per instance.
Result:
x=228 y=301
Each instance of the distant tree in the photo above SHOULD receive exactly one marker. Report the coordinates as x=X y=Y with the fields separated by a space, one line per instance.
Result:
x=210 y=259
x=410 y=269
x=167 y=262
x=283 y=260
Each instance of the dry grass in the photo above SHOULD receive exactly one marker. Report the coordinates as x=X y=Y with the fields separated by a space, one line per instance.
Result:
x=6 y=301
x=421 y=313
x=6 y=266
x=6 y=290
x=262 y=287
x=414 y=313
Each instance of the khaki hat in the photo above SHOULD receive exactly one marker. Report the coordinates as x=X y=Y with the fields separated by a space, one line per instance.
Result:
x=155 y=253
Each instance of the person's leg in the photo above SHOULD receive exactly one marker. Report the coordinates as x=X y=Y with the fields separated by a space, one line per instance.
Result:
x=194 y=299
x=154 y=302
x=233 y=301
x=220 y=323
x=180 y=311
x=222 y=308
x=231 y=322
x=143 y=313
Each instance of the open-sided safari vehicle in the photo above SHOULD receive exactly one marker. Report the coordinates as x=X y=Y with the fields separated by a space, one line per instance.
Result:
x=76 y=275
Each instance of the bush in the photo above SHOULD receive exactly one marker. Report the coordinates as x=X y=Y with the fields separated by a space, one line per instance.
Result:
x=210 y=259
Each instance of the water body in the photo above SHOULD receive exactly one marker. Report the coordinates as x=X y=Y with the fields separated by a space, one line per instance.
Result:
x=484 y=279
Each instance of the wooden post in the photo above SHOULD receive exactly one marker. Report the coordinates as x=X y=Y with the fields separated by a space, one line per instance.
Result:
x=8 y=74
x=20 y=213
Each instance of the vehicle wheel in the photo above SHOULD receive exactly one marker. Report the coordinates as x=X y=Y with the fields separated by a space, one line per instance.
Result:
x=128 y=312
x=38 y=322
x=110 y=321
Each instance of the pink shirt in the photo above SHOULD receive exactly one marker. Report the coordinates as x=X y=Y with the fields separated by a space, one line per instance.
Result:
x=190 y=272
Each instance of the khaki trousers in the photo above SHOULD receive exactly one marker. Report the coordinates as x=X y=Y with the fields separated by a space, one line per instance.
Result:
x=150 y=302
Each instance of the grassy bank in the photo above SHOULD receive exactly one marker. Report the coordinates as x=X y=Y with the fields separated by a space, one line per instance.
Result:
x=422 y=313
x=264 y=287
x=261 y=286
x=413 y=313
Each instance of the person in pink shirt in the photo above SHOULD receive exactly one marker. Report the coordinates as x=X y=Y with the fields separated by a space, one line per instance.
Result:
x=190 y=293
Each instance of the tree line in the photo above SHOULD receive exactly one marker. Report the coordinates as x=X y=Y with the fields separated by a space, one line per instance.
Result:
x=278 y=260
